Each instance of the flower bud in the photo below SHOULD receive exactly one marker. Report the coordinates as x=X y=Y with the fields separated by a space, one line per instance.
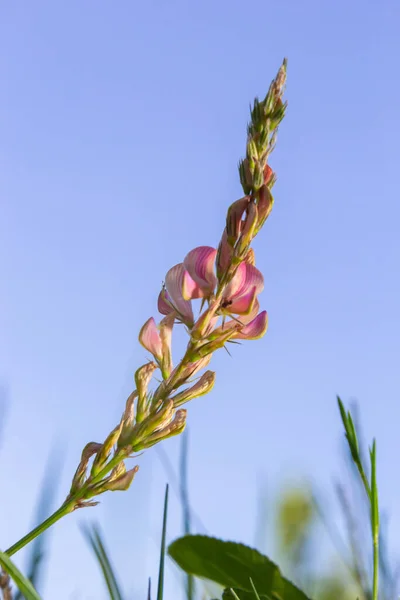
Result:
x=246 y=178
x=234 y=219
x=224 y=256
x=142 y=378
x=80 y=473
x=105 y=450
x=252 y=152
x=122 y=481
x=127 y=420
x=165 y=327
x=174 y=428
x=247 y=229
x=258 y=176
x=264 y=205
x=153 y=423
x=202 y=387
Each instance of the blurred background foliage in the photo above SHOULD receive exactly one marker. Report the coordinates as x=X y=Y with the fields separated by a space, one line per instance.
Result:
x=328 y=558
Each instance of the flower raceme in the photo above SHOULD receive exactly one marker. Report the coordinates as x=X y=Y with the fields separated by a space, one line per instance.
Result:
x=228 y=285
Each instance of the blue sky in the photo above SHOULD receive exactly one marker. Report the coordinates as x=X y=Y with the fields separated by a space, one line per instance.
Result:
x=121 y=127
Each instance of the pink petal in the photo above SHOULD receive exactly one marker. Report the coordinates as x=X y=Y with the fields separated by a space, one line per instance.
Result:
x=149 y=337
x=163 y=303
x=245 y=319
x=190 y=289
x=199 y=263
x=234 y=217
x=255 y=329
x=244 y=304
x=253 y=278
x=174 y=284
x=237 y=282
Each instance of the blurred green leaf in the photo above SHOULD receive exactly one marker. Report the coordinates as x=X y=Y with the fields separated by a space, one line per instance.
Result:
x=232 y=565
x=22 y=583
x=94 y=539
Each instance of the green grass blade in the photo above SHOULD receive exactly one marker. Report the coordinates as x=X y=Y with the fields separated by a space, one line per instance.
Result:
x=95 y=541
x=22 y=583
x=160 y=588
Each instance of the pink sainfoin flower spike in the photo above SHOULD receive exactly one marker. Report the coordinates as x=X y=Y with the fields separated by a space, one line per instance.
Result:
x=171 y=297
x=199 y=280
x=241 y=293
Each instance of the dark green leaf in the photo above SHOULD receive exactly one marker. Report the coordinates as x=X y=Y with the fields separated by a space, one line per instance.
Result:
x=232 y=565
x=22 y=583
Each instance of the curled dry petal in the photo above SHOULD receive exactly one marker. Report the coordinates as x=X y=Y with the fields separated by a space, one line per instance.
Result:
x=199 y=264
x=122 y=483
x=174 y=286
x=174 y=428
x=80 y=475
x=149 y=337
x=203 y=386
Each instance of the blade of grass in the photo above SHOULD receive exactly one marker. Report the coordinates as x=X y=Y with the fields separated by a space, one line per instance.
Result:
x=160 y=587
x=94 y=539
x=22 y=583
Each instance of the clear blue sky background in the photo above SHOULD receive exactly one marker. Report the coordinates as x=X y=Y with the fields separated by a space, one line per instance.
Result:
x=121 y=127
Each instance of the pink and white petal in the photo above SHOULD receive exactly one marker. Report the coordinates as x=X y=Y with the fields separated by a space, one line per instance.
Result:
x=200 y=264
x=149 y=337
x=255 y=329
x=164 y=306
x=191 y=289
x=237 y=283
x=254 y=278
x=243 y=305
x=174 y=285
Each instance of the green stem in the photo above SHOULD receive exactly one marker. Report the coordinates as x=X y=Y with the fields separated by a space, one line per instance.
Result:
x=69 y=505
x=376 y=566
x=56 y=516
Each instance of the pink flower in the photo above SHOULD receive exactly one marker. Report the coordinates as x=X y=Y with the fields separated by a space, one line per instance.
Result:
x=241 y=293
x=157 y=340
x=149 y=337
x=255 y=329
x=171 y=297
x=254 y=326
x=199 y=280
